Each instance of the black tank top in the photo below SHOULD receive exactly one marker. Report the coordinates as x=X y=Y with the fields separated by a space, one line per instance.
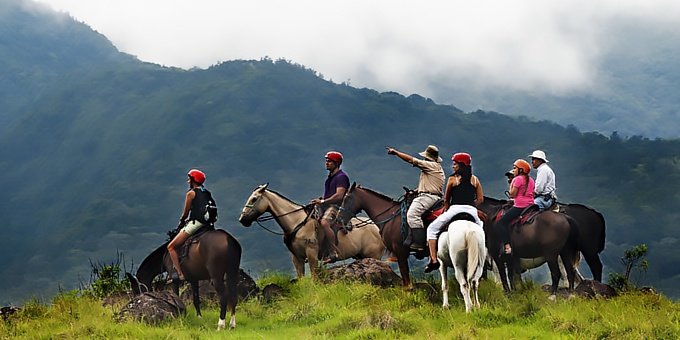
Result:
x=198 y=204
x=463 y=193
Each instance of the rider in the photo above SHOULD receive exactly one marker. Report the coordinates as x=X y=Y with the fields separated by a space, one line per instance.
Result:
x=192 y=217
x=429 y=189
x=544 y=193
x=336 y=186
x=521 y=190
x=463 y=193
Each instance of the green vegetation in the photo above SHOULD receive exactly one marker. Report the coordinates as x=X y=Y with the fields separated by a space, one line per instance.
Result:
x=359 y=311
x=95 y=147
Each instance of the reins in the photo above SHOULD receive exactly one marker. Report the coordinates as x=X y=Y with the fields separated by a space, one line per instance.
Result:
x=380 y=224
x=272 y=217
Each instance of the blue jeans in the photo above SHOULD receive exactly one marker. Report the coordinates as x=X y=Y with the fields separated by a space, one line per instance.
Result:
x=543 y=202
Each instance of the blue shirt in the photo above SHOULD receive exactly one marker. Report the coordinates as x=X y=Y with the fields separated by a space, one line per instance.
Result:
x=339 y=179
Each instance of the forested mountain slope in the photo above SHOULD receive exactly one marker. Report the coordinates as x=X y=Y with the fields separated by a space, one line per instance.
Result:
x=97 y=164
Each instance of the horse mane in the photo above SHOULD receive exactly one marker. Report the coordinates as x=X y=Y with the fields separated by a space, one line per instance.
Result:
x=284 y=197
x=379 y=194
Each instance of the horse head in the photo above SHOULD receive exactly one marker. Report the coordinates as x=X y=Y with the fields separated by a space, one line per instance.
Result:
x=349 y=207
x=254 y=207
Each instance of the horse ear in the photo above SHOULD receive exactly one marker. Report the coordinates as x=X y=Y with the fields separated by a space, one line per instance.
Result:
x=354 y=185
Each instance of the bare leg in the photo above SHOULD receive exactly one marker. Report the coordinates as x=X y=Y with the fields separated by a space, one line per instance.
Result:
x=172 y=250
x=434 y=264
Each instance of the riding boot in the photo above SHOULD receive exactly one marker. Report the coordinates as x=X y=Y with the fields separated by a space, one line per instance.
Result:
x=417 y=239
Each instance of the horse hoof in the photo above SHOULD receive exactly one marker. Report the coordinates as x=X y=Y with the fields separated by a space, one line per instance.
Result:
x=552 y=297
x=221 y=324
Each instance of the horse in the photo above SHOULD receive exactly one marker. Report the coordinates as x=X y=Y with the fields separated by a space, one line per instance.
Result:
x=591 y=233
x=462 y=247
x=548 y=235
x=388 y=215
x=302 y=234
x=213 y=255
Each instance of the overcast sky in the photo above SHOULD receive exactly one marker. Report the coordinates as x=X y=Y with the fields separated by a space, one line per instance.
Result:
x=389 y=45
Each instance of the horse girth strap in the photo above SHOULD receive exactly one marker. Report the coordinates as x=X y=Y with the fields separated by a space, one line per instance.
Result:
x=289 y=237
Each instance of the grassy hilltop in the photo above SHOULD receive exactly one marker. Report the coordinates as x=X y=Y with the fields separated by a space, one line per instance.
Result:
x=311 y=310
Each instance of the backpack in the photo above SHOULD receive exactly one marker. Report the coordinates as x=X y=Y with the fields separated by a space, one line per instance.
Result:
x=210 y=210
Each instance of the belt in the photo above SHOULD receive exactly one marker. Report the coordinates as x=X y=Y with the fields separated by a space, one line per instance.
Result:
x=429 y=193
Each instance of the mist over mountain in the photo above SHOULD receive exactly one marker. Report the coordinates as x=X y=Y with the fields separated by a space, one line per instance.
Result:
x=95 y=148
x=633 y=93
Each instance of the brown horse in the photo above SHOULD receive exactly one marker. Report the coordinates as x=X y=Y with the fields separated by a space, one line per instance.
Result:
x=388 y=215
x=591 y=231
x=214 y=255
x=548 y=235
x=301 y=232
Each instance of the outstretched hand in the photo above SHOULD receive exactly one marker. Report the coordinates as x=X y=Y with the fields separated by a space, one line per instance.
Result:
x=391 y=151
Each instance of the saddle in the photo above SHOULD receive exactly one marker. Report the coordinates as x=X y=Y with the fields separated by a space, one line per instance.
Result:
x=194 y=238
x=526 y=216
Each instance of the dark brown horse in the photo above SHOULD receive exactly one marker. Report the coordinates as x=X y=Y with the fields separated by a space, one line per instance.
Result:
x=387 y=214
x=547 y=235
x=591 y=231
x=215 y=255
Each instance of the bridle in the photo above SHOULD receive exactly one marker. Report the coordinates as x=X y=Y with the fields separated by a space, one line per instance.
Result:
x=349 y=199
x=271 y=216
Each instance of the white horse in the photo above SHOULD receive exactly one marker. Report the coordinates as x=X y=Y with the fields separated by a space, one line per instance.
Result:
x=302 y=233
x=462 y=248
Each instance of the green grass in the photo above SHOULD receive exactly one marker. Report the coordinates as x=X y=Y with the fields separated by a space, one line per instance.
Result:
x=311 y=310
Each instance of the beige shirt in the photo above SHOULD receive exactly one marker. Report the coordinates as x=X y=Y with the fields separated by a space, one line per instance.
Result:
x=431 y=176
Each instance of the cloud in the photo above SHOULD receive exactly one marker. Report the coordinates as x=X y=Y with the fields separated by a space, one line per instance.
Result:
x=550 y=46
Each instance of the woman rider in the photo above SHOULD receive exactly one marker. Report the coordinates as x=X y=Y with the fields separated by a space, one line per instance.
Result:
x=192 y=217
x=521 y=190
x=463 y=193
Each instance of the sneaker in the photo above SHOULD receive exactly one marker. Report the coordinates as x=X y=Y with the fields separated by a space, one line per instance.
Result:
x=431 y=266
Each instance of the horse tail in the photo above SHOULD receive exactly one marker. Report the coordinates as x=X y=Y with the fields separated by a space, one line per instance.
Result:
x=600 y=247
x=475 y=256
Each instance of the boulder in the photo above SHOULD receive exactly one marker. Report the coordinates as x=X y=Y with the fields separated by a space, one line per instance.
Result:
x=369 y=270
x=591 y=289
x=7 y=311
x=271 y=292
x=152 y=307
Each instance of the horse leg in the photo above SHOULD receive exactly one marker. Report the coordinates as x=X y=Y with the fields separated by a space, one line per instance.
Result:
x=218 y=283
x=555 y=276
x=402 y=260
x=595 y=265
x=299 y=265
x=474 y=287
x=445 y=285
x=503 y=274
x=463 y=285
x=312 y=254
x=196 y=297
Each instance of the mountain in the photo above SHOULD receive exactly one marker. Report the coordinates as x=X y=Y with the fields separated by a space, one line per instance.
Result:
x=633 y=91
x=96 y=163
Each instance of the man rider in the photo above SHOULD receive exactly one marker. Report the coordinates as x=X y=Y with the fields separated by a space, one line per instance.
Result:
x=335 y=188
x=544 y=195
x=429 y=189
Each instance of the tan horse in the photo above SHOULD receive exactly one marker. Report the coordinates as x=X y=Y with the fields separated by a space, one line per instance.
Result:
x=302 y=234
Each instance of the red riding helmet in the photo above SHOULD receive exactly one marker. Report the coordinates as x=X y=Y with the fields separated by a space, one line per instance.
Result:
x=462 y=157
x=197 y=175
x=522 y=164
x=334 y=156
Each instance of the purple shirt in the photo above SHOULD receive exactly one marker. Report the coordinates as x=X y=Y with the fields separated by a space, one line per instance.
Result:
x=339 y=179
